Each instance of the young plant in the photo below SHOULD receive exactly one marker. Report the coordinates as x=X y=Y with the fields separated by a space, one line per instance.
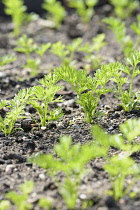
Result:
x=44 y=203
x=127 y=97
x=85 y=9
x=89 y=89
x=124 y=142
x=66 y=52
x=119 y=29
x=42 y=96
x=71 y=160
x=16 y=9
x=4 y=205
x=93 y=58
x=136 y=28
x=124 y=8
x=27 y=46
x=120 y=166
x=56 y=11
x=130 y=130
x=34 y=64
x=16 y=110
x=7 y=59
x=20 y=200
x=119 y=169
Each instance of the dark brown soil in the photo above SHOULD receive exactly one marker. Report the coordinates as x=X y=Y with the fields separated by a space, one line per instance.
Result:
x=16 y=148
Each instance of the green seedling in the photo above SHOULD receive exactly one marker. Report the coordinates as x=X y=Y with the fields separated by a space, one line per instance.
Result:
x=130 y=129
x=56 y=11
x=120 y=166
x=119 y=169
x=124 y=141
x=69 y=191
x=71 y=160
x=127 y=97
x=124 y=8
x=16 y=9
x=89 y=89
x=93 y=57
x=59 y=49
x=7 y=59
x=45 y=204
x=136 y=28
x=66 y=52
x=28 y=46
x=119 y=29
x=42 y=96
x=16 y=111
x=42 y=49
x=4 y=205
x=85 y=9
x=20 y=199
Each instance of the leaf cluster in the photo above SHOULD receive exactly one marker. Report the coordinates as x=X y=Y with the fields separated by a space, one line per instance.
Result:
x=128 y=98
x=85 y=9
x=88 y=89
x=119 y=167
x=7 y=59
x=56 y=11
x=71 y=160
x=16 y=9
x=27 y=46
x=41 y=96
x=126 y=42
x=20 y=200
x=16 y=111
x=124 y=8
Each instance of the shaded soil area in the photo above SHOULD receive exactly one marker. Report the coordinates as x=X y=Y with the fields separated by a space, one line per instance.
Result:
x=16 y=148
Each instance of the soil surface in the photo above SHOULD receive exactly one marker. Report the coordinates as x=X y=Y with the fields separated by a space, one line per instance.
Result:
x=16 y=148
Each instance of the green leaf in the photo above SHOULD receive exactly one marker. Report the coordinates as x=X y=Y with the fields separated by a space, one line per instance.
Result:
x=7 y=59
x=27 y=187
x=130 y=129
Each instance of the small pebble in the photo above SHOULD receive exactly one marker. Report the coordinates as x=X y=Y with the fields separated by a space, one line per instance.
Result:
x=42 y=176
x=43 y=128
x=2 y=134
x=9 y=169
x=75 y=126
x=110 y=128
x=2 y=161
x=82 y=196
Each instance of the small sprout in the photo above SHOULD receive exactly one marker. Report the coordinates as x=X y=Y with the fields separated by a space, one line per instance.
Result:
x=124 y=8
x=118 y=169
x=85 y=9
x=4 y=205
x=92 y=51
x=95 y=86
x=42 y=49
x=119 y=29
x=71 y=160
x=16 y=9
x=16 y=110
x=27 y=46
x=42 y=96
x=127 y=97
x=136 y=28
x=56 y=11
x=7 y=59
x=20 y=200
x=66 y=52
x=45 y=203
